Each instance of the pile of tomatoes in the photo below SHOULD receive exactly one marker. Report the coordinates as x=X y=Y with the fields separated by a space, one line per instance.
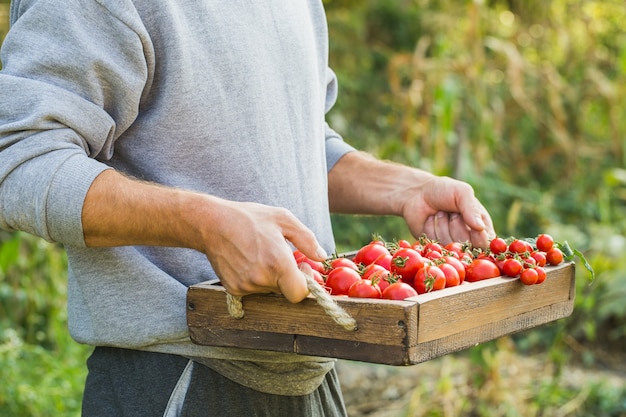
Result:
x=402 y=269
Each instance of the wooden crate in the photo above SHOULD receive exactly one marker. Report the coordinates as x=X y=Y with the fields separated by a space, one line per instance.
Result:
x=389 y=332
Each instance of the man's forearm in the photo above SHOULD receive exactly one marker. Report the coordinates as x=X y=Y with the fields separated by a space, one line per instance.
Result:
x=361 y=184
x=121 y=211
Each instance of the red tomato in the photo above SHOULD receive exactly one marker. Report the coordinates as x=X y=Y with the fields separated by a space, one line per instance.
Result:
x=554 y=256
x=340 y=279
x=540 y=258
x=458 y=265
x=529 y=276
x=544 y=242
x=452 y=275
x=298 y=256
x=486 y=255
x=529 y=261
x=371 y=269
x=457 y=247
x=404 y=243
x=481 y=269
x=370 y=252
x=382 y=278
x=315 y=265
x=433 y=254
x=318 y=277
x=541 y=275
x=337 y=262
x=405 y=263
x=384 y=261
x=430 y=247
x=364 y=288
x=399 y=291
x=498 y=245
x=512 y=267
x=429 y=278
x=418 y=247
x=520 y=247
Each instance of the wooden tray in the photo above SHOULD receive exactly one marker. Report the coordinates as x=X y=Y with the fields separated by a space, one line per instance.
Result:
x=389 y=332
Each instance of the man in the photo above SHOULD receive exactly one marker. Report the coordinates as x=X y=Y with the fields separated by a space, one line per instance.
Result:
x=165 y=143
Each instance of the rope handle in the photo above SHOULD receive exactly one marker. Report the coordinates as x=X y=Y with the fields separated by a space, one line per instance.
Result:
x=323 y=298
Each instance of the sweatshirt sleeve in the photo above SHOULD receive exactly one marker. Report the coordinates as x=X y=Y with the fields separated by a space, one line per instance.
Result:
x=68 y=91
x=335 y=145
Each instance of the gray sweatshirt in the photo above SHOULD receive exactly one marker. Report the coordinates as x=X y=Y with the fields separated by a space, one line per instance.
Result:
x=222 y=97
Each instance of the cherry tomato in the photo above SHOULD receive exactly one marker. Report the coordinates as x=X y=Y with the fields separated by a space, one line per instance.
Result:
x=364 y=288
x=315 y=265
x=429 y=278
x=404 y=243
x=458 y=265
x=540 y=258
x=457 y=248
x=541 y=275
x=431 y=247
x=488 y=256
x=498 y=245
x=370 y=252
x=529 y=276
x=512 y=267
x=554 y=256
x=544 y=242
x=405 y=263
x=481 y=269
x=298 y=256
x=384 y=261
x=371 y=269
x=399 y=291
x=452 y=275
x=382 y=278
x=520 y=247
x=337 y=262
x=317 y=276
x=340 y=279
x=433 y=254
x=529 y=261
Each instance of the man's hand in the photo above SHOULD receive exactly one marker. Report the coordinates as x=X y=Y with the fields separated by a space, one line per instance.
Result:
x=250 y=253
x=446 y=210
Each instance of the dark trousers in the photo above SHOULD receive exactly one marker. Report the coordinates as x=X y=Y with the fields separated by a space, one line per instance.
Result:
x=130 y=383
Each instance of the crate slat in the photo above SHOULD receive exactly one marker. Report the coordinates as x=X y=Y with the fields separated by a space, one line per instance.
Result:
x=389 y=332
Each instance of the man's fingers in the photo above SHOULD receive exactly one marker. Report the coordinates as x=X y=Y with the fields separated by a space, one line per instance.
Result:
x=292 y=284
x=429 y=228
x=452 y=227
x=303 y=238
x=442 y=228
x=479 y=239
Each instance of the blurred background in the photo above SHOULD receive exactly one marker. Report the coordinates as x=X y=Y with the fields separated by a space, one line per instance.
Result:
x=522 y=99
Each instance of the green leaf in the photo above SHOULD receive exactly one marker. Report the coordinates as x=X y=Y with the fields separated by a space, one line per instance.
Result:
x=569 y=253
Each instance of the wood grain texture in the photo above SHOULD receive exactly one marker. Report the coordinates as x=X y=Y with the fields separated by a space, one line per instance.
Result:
x=390 y=332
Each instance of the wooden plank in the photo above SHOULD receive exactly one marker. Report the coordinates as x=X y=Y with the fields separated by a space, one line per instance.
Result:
x=249 y=339
x=387 y=322
x=304 y=345
x=489 y=331
x=474 y=305
x=352 y=350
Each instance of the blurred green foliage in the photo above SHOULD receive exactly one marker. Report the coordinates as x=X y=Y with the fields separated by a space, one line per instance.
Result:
x=42 y=370
x=522 y=99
